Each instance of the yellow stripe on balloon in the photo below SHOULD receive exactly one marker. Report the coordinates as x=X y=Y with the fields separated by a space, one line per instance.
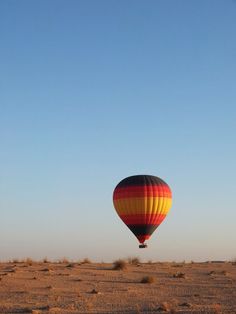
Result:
x=144 y=205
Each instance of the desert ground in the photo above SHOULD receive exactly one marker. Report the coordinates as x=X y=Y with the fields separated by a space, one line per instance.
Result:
x=86 y=287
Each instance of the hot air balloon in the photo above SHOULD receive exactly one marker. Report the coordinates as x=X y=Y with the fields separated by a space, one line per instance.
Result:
x=142 y=202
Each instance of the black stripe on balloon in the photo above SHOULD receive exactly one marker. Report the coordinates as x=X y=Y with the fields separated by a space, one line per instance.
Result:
x=141 y=180
x=139 y=230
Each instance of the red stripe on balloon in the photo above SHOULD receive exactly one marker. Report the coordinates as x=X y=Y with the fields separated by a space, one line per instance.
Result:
x=143 y=238
x=142 y=191
x=140 y=219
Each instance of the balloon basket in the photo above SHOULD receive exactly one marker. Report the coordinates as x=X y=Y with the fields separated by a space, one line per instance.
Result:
x=143 y=246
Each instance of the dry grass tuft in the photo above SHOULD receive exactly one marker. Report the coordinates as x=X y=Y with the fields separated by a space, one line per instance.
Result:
x=46 y=269
x=63 y=260
x=15 y=261
x=28 y=261
x=94 y=291
x=164 y=307
x=119 y=265
x=70 y=265
x=86 y=261
x=185 y=304
x=148 y=279
x=134 y=261
x=49 y=287
x=177 y=265
x=179 y=275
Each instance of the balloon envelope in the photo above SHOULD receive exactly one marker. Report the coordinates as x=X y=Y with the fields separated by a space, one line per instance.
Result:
x=142 y=202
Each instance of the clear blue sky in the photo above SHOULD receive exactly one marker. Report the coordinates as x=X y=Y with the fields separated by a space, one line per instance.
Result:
x=94 y=91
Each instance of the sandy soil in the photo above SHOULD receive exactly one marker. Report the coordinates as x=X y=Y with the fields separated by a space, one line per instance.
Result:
x=97 y=288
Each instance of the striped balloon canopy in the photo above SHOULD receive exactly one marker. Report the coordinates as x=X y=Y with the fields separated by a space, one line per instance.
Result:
x=142 y=202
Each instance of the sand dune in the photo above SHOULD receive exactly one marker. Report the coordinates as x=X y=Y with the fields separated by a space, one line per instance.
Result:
x=96 y=288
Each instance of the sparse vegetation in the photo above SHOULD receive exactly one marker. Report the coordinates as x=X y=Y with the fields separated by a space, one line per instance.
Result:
x=148 y=279
x=86 y=286
x=119 y=264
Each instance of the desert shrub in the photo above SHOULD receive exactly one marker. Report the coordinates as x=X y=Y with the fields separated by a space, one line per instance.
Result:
x=119 y=265
x=46 y=269
x=179 y=275
x=28 y=261
x=70 y=265
x=95 y=291
x=164 y=307
x=45 y=260
x=86 y=261
x=15 y=261
x=185 y=304
x=177 y=265
x=63 y=260
x=134 y=260
x=148 y=279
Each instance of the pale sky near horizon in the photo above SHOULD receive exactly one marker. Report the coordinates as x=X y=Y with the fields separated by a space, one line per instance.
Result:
x=95 y=91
